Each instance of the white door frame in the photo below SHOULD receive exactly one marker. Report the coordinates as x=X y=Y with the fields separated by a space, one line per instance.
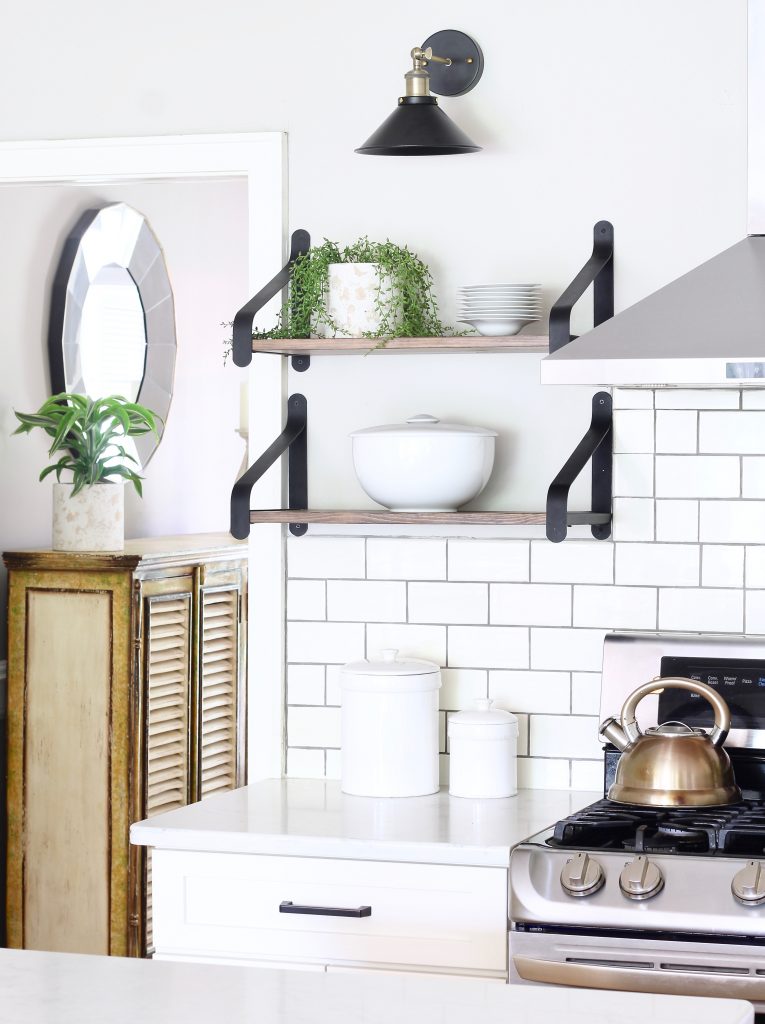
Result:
x=261 y=158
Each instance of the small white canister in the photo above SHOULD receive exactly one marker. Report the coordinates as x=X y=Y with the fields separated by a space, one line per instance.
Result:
x=390 y=726
x=483 y=751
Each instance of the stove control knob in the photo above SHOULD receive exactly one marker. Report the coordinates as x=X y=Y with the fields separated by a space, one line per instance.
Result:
x=582 y=876
x=748 y=885
x=640 y=879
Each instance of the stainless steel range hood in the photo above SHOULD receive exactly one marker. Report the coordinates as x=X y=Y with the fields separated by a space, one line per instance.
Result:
x=707 y=328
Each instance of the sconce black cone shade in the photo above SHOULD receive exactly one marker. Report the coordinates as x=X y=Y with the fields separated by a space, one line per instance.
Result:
x=418 y=127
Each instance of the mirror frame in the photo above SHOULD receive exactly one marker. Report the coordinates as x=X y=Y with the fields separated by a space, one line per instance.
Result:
x=156 y=387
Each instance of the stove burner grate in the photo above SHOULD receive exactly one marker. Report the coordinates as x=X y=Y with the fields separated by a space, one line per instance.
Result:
x=738 y=828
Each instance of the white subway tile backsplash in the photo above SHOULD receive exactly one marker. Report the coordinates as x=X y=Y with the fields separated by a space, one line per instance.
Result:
x=333 y=691
x=305 y=764
x=722 y=566
x=740 y=433
x=755 y=567
x=574 y=561
x=366 y=601
x=313 y=727
x=587 y=776
x=523 y=620
x=531 y=604
x=585 y=693
x=632 y=398
x=523 y=735
x=697 y=476
x=676 y=431
x=732 y=522
x=322 y=642
x=489 y=560
x=333 y=760
x=543 y=773
x=658 y=565
x=393 y=558
x=543 y=692
x=563 y=736
x=461 y=686
x=567 y=649
x=615 y=607
x=753 y=477
x=708 y=610
x=488 y=647
x=449 y=602
x=677 y=520
x=677 y=398
x=305 y=684
x=412 y=641
x=755 y=611
x=633 y=430
x=633 y=476
x=325 y=557
x=306 y=599
x=633 y=519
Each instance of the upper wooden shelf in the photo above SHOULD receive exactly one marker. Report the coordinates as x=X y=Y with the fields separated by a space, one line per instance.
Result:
x=344 y=346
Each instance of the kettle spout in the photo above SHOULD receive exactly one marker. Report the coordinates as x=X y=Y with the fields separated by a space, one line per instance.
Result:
x=612 y=731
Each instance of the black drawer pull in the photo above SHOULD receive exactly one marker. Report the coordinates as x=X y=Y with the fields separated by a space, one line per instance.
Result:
x=288 y=907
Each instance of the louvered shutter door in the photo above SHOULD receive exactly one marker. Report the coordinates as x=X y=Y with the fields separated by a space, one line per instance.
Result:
x=168 y=639
x=219 y=644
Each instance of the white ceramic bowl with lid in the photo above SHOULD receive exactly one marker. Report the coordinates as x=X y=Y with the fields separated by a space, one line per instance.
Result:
x=389 y=723
x=423 y=465
x=483 y=749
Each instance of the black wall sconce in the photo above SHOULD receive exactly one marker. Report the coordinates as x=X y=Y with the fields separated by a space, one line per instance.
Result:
x=449 y=63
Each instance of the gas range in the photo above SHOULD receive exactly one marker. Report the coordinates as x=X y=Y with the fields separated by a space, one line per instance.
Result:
x=668 y=900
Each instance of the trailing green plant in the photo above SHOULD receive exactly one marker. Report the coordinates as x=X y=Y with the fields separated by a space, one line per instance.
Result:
x=87 y=436
x=404 y=302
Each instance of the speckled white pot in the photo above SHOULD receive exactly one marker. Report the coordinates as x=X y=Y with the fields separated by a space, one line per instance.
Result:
x=351 y=295
x=93 y=520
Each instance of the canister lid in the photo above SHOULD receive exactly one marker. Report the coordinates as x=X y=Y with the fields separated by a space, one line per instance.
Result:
x=424 y=423
x=389 y=672
x=484 y=714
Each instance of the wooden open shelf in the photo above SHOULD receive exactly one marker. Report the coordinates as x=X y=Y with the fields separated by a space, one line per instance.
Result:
x=344 y=346
x=384 y=517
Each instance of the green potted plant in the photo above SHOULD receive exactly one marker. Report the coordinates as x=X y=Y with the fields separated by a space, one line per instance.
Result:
x=88 y=442
x=367 y=289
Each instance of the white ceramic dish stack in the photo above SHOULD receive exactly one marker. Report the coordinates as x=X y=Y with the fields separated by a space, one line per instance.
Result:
x=499 y=309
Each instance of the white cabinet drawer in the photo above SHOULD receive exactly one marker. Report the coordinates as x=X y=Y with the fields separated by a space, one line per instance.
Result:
x=223 y=904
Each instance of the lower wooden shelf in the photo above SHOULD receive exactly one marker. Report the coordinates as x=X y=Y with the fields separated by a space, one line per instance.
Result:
x=383 y=516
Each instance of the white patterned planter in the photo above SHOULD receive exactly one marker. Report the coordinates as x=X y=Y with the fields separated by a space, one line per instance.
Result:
x=351 y=297
x=93 y=520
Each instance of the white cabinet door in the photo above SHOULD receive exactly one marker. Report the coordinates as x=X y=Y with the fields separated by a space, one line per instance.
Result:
x=423 y=915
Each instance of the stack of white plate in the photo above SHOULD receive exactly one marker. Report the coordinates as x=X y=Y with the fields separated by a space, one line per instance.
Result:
x=499 y=309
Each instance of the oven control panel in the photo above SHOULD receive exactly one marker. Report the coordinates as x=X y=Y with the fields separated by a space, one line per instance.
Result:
x=741 y=683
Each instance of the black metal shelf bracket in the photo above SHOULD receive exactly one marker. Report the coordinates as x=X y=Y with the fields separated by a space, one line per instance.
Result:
x=300 y=243
x=596 y=445
x=293 y=440
x=598 y=271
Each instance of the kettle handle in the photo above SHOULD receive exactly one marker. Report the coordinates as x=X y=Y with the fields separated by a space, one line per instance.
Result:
x=721 y=709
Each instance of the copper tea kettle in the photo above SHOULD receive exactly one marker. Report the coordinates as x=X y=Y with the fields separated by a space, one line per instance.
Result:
x=671 y=765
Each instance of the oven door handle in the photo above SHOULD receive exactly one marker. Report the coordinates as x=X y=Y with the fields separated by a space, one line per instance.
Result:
x=642 y=979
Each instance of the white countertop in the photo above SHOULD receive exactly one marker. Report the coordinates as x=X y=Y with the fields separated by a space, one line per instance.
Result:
x=312 y=818
x=64 y=988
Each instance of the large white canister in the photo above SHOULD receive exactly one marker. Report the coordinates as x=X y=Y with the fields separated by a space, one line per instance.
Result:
x=390 y=726
x=483 y=749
